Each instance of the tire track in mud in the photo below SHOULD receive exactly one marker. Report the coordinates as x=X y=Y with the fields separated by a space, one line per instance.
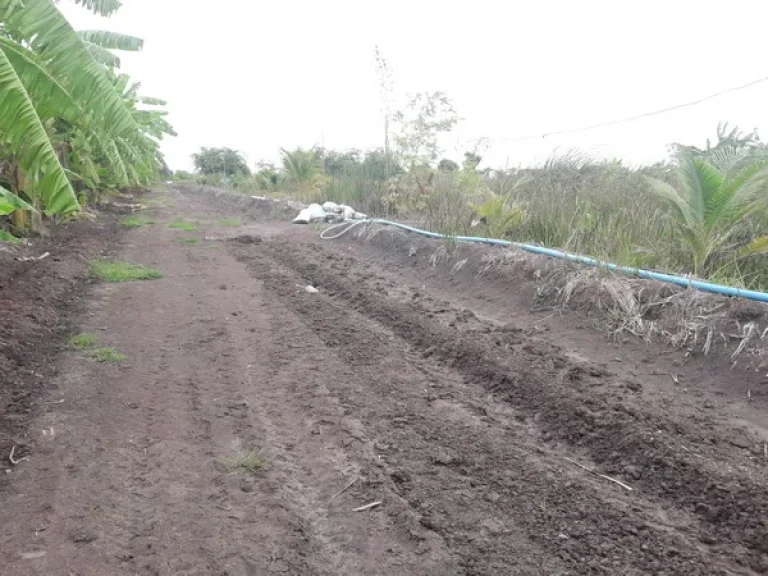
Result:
x=483 y=474
x=315 y=445
x=323 y=447
x=378 y=393
x=729 y=496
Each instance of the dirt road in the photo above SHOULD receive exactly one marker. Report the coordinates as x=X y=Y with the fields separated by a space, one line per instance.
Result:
x=492 y=440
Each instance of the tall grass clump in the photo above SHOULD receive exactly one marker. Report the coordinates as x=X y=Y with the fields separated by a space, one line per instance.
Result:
x=603 y=209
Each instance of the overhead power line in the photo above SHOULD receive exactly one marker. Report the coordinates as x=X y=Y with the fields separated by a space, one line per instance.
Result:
x=636 y=117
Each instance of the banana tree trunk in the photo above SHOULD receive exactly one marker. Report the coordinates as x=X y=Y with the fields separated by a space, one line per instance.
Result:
x=22 y=220
x=19 y=218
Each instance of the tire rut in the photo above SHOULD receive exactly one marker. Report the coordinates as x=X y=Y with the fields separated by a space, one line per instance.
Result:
x=565 y=415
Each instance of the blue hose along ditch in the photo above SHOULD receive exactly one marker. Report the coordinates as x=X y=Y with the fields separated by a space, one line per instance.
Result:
x=626 y=270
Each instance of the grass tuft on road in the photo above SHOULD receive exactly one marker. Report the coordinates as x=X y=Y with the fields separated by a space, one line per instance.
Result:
x=108 y=356
x=182 y=225
x=83 y=341
x=230 y=222
x=187 y=240
x=121 y=271
x=136 y=222
x=245 y=461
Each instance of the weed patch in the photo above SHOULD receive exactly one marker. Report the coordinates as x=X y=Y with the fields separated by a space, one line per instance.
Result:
x=182 y=225
x=245 y=461
x=121 y=271
x=136 y=222
x=108 y=356
x=82 y=341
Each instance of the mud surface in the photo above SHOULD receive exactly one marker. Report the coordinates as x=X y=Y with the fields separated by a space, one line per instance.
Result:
x=486 y=438
x=40 y=303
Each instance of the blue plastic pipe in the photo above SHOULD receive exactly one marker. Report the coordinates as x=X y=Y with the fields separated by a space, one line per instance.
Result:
x=640 y=273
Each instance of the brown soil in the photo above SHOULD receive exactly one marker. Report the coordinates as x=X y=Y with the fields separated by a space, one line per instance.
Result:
x=407 y=380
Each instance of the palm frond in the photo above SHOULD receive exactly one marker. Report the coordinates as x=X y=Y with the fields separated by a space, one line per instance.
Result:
x=729 y=159
x=21 y=125
x=756 y=246
x=740 y=195
x=700 y=182
x=670 y=196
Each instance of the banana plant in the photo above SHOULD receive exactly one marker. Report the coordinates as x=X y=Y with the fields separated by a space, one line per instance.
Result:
x=10 y=203
x=62 y=118
x=100 y=44
x=24 y=132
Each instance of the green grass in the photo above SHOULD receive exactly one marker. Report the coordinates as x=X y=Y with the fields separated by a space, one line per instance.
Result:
x=182 y=225
x=187 y=240
x=245 y=461
x=231 y=222
x=136 y=222
x=121 y=271
x=82 y=341
x=108 y=356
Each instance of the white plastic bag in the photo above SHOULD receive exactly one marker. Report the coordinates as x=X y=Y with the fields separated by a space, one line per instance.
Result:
x=349 y=213
x=311 y=213
x=329 y=211
x=332 y=208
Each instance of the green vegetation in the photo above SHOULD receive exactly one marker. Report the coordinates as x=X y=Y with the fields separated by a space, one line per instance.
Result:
x=72 y=127
x=136 y=222
x=304 y=175
x=710 y=201
x=182 y=225
x=188 y=240
x=246 y=460
x=230 y=222
x=82 y=341
x=703 y=211
x=108 y=356
x=121 y=272
x=183 y=176
x=224 y=161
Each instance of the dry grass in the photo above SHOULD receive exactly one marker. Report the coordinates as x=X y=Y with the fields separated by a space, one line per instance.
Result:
x=684 y=318
x=653 y=311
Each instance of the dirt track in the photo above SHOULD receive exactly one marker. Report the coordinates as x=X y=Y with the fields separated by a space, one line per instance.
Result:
x=433 y=392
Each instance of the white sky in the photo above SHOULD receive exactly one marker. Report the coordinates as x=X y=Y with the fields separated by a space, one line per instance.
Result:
x=258 y=75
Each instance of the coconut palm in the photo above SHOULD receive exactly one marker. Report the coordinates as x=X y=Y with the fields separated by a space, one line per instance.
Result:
x=712 y=201
x=304 y=171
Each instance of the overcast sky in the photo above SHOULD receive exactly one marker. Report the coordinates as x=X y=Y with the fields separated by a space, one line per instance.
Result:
x=259 y=75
